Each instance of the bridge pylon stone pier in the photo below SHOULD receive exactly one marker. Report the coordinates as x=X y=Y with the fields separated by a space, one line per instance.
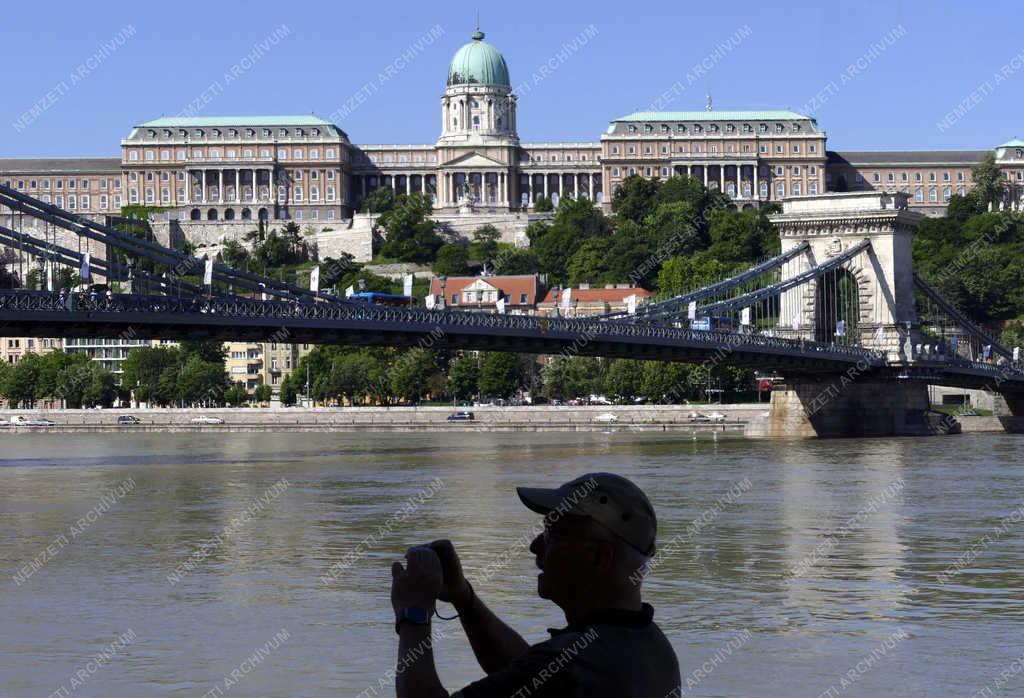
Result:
x=882 y=278
x=873 y=293
x=1009 y=409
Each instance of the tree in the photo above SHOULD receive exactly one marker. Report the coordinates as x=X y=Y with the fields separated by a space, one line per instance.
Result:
x=100 y=387
x=20 y=388
x=236 y=394
x=498 y=374
x=211 y=351
x=379 y=200
x=590 y=262
x=263 y=394
x=666 y=382
x=5 y=374
x=462 y=378
x=288 y=393
x=572 y=377
x=143 y=371
x=234 y=254
x=410 y=373
x=201 y=381
x=484 y=247
x=989 y=181
x=623 y=379
x=516 y=261
x=452 y=260
x=410 y=232
x=543 y=205
x=634 y=199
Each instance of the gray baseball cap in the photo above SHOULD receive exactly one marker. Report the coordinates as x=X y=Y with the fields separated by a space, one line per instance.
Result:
x=613 y=501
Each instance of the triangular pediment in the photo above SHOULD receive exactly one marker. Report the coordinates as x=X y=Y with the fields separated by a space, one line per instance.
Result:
x=473 y=159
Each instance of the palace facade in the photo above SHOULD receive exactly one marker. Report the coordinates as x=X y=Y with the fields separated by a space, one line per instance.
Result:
x=306 y=169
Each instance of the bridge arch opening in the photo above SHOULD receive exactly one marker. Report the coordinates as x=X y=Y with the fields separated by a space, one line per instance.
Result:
x=837 y=300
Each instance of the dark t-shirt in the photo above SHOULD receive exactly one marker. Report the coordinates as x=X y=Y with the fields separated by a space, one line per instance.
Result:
x=614 y=653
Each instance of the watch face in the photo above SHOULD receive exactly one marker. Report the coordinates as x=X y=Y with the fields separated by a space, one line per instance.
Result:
x=416 y=614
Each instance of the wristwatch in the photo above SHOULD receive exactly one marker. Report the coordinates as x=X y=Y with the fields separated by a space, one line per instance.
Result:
x=413 y=614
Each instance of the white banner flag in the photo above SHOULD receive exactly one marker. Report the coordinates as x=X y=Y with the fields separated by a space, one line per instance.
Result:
x=841 y=328
x=631 y=304
x=501 y=306
x=407 y=285
x=263 y=292
x=49 y=278
x=314 y=280
x=795 y=322
x=880 y=335
x=745 y=317
x=430 y=300
x=208 y=273
x=566 y=299
x=1016 y=353
x=84 y=271
x=349 y=291
x=691 y=311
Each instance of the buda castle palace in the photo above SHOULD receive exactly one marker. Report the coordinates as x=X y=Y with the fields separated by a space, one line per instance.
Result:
x=212 y=176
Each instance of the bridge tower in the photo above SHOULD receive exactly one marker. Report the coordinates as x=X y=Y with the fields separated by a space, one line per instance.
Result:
x=877 y=289
x=879 y=283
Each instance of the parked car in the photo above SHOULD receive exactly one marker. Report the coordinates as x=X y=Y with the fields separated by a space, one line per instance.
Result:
x=460 y=417
x=607 y=417
x=204 y=419
x=19 y=421
x=698 y=417
x=716 y=417
x=128 y=419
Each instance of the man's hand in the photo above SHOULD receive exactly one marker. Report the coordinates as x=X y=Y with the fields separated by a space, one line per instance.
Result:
x=418 y=584
x=456 y=589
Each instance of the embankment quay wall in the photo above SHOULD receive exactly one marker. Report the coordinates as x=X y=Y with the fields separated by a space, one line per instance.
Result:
x=527 y=418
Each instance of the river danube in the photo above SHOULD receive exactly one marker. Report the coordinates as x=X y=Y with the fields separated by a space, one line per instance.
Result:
x=259 y=564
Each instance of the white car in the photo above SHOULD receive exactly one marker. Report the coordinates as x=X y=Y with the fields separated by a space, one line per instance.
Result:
x=204 y=419
x=607 y=417
x=698 y=417
x=19 y=421
x=716 y=417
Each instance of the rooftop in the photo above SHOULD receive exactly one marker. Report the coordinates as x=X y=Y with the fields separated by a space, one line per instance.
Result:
x=712 y=116
x=906 y=157
x=71 y=165
x=201 y=121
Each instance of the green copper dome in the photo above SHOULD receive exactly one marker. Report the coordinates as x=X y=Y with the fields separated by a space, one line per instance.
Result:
x=478 y=63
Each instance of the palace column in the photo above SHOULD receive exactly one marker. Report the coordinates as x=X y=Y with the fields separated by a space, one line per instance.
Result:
x=590 y=185
x=757 y=192
x=704 y=168
x=721 y=178
x=546 y=178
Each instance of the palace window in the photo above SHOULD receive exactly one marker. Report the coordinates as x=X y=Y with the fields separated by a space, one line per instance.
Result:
x=632 y=150
x=796 y=149
x=103 y=201
x=713 y=148
x=647 y=150
x=329 y=153
x=713 y=128
x=681 y=128
x=615 y=150
x=632 y=128
x=946 y=194
x=945 y=176
x=133 y=155
x=919 y=195
x=297 y=153
x=314 y=194
x=917 y=176
x=747 y=128
x=959 y=176
x=71 y=202
x=165 y=195
x=931 y=176
x=796 y=169
x=763 y=128
x=85 y=202
x=814 y=169
x=746 y=147
x=297 y=191
x=796 y=188
x=876 y=177
x=330 y=193
x=664 y=128
x=812 y=148
x=778 y=149
x=780 y=190
x=762 y=148
x=133 y=196
x=664 y=150
x=812 y=187
x=632 y=170
x=891 y=177
x=779 y=171
x=615 y=172
x=282 y=132
x=648 y=128
x=648 y=172
x=933 y=194
x=779 y=128
x=697 y=128
x=731 y=128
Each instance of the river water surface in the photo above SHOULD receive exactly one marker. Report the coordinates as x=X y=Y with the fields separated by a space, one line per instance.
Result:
x=845 y=568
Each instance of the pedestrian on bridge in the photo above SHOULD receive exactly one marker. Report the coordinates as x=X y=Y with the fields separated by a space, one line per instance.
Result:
x=593 y=552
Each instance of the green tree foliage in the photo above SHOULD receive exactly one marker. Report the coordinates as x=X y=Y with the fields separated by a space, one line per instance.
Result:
x=411 y=372
x=167 y=376
x=555 y=244
x=282 y=249
x=635 y=197
x=410 y=235
x=463 y=377
x=234 y=254
x=977 y=263
x=22 y=381
x=484 y=248
x=989 y=181
x=517 y=261
x=144 y=369
x=543 y=205
x=566 y=378
x=623 y=379
x=452 y=260
x=498 y=375
x=236 y=394
x=379 y=200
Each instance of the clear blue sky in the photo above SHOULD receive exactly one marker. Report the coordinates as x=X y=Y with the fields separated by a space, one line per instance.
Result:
x=792 y=51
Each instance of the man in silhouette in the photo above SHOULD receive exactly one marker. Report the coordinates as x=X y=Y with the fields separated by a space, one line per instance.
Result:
x=599 y=533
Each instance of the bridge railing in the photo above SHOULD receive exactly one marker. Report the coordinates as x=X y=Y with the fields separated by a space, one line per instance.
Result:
x=581 y=330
